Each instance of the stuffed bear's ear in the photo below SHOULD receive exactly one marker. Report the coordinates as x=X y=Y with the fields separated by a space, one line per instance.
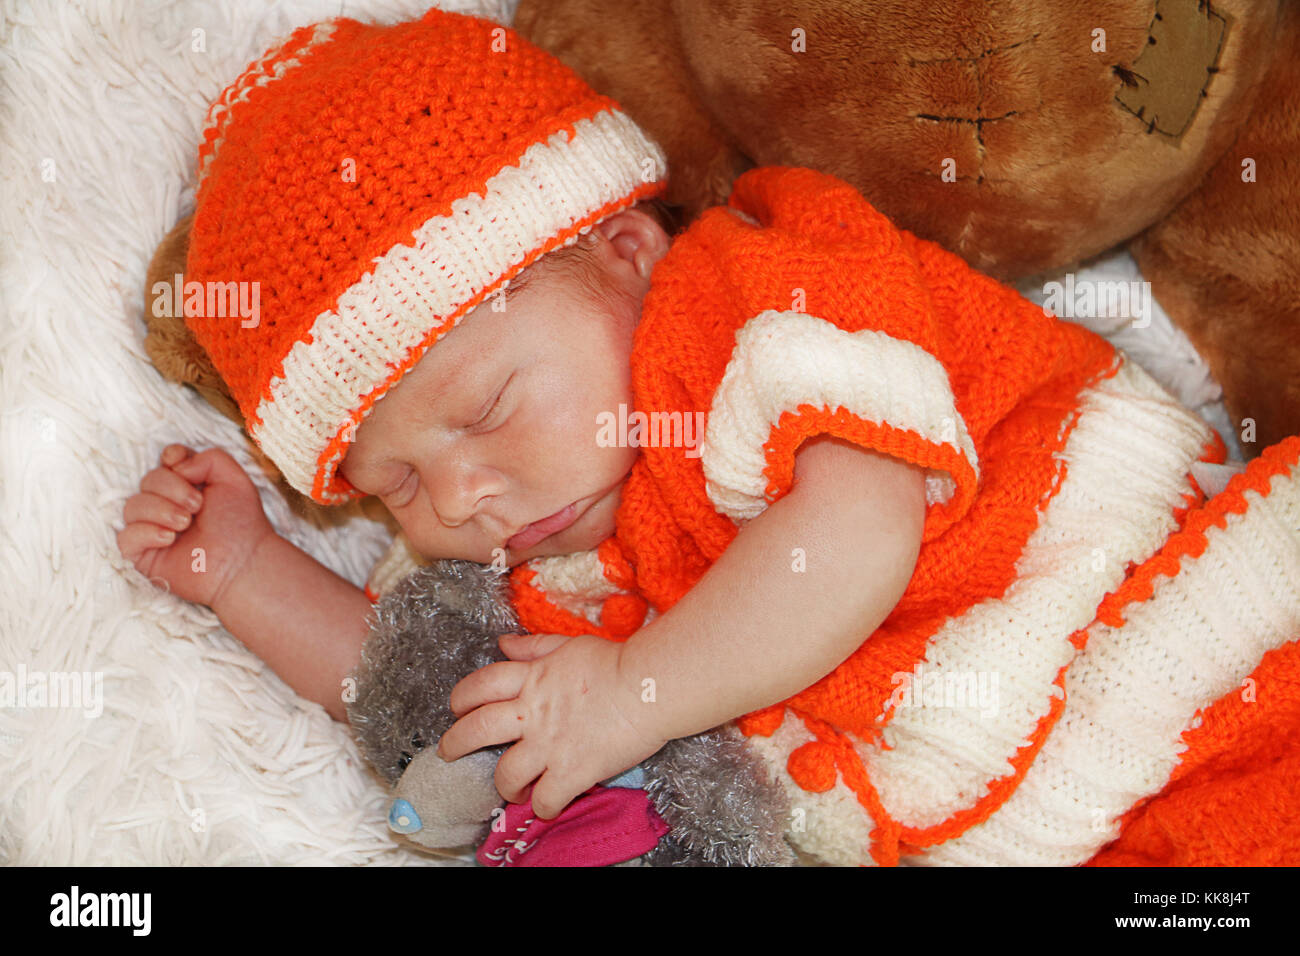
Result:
x=168 y=341
x=171 y=347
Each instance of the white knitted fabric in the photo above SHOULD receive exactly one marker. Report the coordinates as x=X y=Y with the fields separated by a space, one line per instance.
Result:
x=1133 y=691
x=786 y=359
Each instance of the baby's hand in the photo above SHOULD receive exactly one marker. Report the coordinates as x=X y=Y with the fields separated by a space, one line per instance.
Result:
x=190 y=502
x=577 y=718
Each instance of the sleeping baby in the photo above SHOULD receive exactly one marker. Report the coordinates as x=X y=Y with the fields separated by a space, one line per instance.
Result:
x=471 y=307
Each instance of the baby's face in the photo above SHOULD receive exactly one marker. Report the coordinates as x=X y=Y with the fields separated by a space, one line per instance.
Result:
x=495 y=427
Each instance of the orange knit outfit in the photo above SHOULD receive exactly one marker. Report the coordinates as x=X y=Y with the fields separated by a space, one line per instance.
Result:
x=1059 y=498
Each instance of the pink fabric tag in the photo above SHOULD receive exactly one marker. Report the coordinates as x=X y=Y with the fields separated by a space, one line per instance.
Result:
x=603 y=826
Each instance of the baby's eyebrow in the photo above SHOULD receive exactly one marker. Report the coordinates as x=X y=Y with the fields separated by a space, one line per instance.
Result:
x=516 y=284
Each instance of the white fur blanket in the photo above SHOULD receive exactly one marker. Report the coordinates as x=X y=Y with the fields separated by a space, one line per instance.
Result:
x=170 y=743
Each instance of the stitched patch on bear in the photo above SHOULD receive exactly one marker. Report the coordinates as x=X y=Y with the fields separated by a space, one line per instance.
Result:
x=1166 y=83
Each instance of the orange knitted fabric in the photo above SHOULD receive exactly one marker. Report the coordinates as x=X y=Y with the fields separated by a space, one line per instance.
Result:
x=801 y=301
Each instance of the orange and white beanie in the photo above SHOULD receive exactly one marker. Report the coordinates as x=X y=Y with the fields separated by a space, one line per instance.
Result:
x=366 y=186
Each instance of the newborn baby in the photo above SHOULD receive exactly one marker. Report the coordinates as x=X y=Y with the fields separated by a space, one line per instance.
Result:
x=487 y=450
x=908 y=471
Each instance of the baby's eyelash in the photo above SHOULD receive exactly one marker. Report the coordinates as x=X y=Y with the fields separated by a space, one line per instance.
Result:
x=500 y=395
x=492 y=409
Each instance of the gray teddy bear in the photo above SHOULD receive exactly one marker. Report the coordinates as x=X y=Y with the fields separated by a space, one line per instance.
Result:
x=440 y=624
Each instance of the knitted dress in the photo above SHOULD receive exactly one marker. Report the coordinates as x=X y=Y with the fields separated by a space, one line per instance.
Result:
x=1076 y=604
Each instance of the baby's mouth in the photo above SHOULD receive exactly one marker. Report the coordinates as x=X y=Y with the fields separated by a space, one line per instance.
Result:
x=544 y=528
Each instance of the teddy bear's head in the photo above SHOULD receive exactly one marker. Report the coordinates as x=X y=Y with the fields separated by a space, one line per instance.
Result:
x=1023 y=136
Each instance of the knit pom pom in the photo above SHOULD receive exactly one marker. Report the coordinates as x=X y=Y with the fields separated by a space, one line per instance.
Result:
x=813 y=766
x=622 y=614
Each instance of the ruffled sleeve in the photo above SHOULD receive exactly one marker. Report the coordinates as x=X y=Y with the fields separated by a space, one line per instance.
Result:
x=793 y=376
x=858 y=357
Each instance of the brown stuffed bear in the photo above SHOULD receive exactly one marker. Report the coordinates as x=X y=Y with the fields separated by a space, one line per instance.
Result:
x=1026 y=138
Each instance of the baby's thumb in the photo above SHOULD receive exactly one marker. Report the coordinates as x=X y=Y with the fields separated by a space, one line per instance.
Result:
x=173 y=455
x=197 y=469
x=529 y=647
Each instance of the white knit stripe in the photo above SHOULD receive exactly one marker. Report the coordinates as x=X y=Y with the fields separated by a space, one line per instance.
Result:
x=400 y=560
x=986 y=678
x=831 y=826
x=785 y=359
x=574 y=582
x=412 y=290
x=256 y=75
x=1133 y=691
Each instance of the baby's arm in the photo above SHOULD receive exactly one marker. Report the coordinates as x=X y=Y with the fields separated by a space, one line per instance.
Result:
x=753 y=631
x=197 y=528
x=300 y=617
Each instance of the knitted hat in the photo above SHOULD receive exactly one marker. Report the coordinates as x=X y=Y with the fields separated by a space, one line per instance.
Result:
x=364 y=187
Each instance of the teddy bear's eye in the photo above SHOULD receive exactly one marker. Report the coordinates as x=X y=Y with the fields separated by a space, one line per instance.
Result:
x=417 y=742
x=403 y=760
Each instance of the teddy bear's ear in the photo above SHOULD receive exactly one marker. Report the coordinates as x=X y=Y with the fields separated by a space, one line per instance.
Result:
x=168 y=341
x=179 y=358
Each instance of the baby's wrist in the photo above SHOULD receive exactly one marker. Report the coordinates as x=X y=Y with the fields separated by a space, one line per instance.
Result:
x=257 y=565
x=662 y=716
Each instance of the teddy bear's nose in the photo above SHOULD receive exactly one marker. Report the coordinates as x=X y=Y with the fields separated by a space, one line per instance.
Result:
x=403 y=818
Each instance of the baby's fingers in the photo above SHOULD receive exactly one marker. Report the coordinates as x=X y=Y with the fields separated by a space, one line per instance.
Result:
x=173 y=455
x=166 y=483
x=487 y=726
x=153 y=509
x=501 y=680
x=529 y=647
x=552 y=793
x=516 y=770
x=135 y=539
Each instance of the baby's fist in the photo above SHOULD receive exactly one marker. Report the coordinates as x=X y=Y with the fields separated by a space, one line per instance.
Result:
x=194 y=523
